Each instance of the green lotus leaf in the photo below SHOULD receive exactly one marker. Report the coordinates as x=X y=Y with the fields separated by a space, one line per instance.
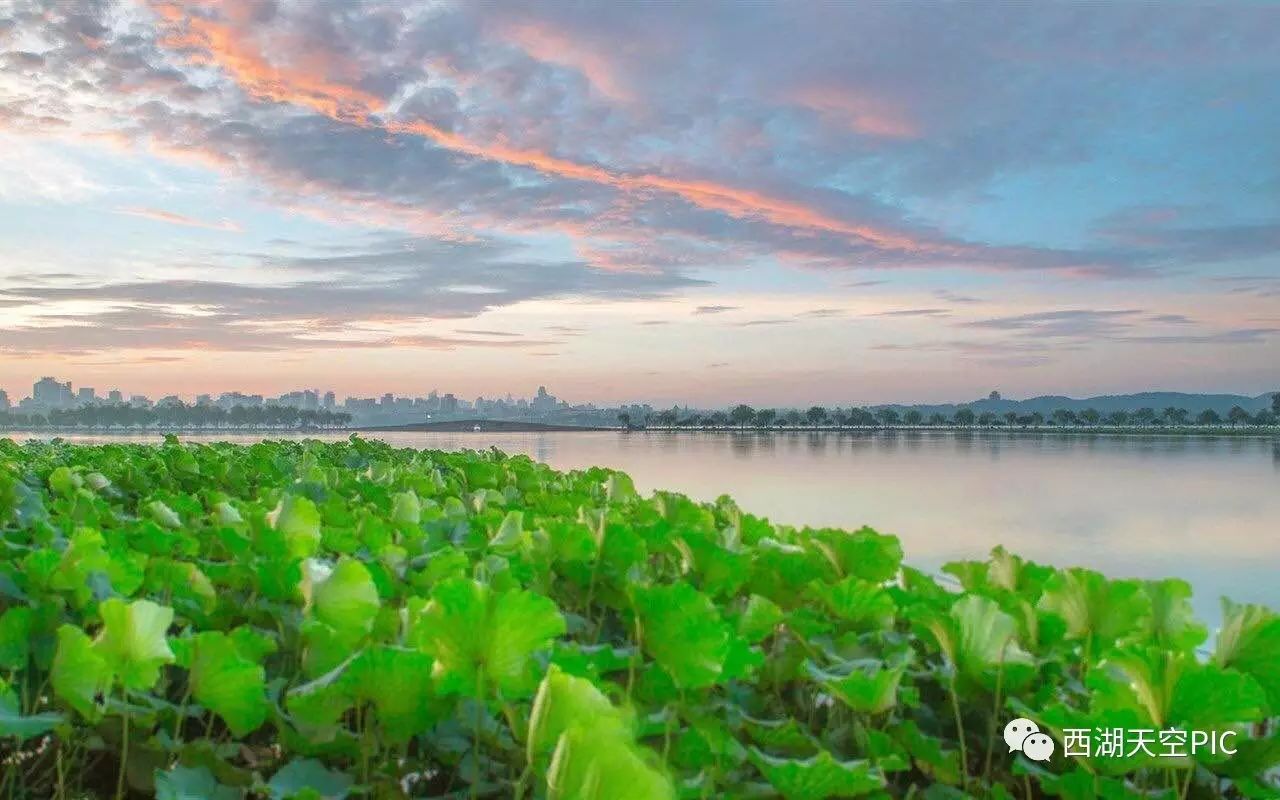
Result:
x=1249 y=641
x=15 y=637
x=760 y=618
x=300 y=775
x=80 y=675
x=510 y=533
x=857 y=601
x=476 y=634
x=65 y=482
x=192 y=783
x=684 y=633
x=1095 y=609
x=819 y=777
x=1172 y=622
x=224 y=681
x=132 y=641
x=398 y=684
x=343 y=597
x=867 y=691
x=863 y=554
x=619 y=488
x=163 y=515
x=586 y=766
x=1209 y=697
x=980 y=639
x=227 y=514
x=298 y=519
x=563 y=701
x=22 y=727
x=406 y=509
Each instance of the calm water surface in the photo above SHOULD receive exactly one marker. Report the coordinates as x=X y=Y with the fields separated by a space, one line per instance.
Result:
x=1203 y=509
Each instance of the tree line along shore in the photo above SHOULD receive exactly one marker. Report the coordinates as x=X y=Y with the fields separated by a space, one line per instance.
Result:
x=818 y=417
x=124 y=418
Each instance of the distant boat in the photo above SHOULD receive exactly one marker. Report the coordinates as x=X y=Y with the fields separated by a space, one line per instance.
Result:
x=475 y=428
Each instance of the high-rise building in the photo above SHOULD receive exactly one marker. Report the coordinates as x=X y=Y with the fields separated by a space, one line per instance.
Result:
x=330 y=400
x=49 y=393
x=543 y=401
x=115 y=396
x=4 y=400
x=85 y=396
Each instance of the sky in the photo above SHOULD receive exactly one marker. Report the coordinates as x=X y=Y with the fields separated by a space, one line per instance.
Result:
x=702 y=203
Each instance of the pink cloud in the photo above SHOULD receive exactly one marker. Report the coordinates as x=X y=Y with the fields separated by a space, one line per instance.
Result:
x=862 y=112
x=545 y=43
x=173 y=218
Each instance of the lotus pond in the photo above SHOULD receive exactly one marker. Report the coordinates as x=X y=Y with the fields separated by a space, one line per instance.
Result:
x=330 y=620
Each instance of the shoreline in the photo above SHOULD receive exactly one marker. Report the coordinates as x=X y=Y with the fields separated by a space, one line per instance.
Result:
x=507 y=426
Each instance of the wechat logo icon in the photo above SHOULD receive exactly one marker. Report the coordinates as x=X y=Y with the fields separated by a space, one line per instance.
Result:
x=1023 y=734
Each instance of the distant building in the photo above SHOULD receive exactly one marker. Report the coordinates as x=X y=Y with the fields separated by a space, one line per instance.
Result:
x=169 y=401
x=543 y=402
x=115 y=396
x=229 y=400
x=140 y=401
x=49 y=393
x=4 y=400
x=85 y=396
x=204 y=400
x=449 y=404
x=993 y=396
x=330 y=400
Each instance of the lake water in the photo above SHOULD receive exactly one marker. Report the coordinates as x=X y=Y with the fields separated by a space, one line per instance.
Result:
x=1204 y=509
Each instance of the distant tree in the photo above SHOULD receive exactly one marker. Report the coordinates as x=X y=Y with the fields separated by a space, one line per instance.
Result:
x=765 y=417
x=1208 y=417
x=624 y=419
x=937 y=419
x=1118 y=418
x=986 y=419
x=1037 y=419
x=993 y=396
x=742 y=415
x=816 y=415
x=1275 y=403
x=1144 y=416
x=1238 y=416
x=1011 y=418
x=1064 y=416
x=964 y=417
x=719 y=419
x=1091 y=416
x=1175 y=416
x=913 y=417
x=1265 y=417
x=794 y=417
x=887 y=416
x=861 y=417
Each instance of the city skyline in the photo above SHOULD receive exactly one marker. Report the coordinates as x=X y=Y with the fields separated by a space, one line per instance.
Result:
x=880 y=203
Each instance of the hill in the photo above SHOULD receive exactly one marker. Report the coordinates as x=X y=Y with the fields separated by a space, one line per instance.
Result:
x=1193 y=403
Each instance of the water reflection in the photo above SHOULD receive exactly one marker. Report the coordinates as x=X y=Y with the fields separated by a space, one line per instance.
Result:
x=1204 y=509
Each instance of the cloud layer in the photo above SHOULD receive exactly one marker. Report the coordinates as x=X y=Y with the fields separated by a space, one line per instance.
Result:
x=504 y=154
